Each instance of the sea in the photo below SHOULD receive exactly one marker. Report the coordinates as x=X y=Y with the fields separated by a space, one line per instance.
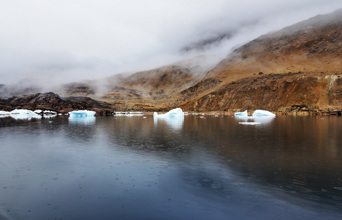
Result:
x=202 y=167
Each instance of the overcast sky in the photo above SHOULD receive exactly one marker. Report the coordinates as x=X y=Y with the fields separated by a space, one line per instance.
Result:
x=64 y=40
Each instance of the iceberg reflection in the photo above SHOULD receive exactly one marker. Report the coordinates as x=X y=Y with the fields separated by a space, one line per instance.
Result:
x=173 y=118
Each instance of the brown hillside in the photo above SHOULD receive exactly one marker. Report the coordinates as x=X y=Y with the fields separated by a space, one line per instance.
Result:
x=312 y=49
x=295 y=69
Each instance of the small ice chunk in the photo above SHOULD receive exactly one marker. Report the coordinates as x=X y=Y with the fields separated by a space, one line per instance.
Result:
x=258 y=117
x=38 y=111
x=24 y=114
x=263 y=113
x=241 y=114
x=81 y=114
x=48 y=112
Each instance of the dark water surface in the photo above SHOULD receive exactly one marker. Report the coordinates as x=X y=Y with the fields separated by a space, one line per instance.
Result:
x=207 y=168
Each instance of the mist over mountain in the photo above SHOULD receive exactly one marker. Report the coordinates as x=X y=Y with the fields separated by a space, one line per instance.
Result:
x=215 y=56
x=51 y=43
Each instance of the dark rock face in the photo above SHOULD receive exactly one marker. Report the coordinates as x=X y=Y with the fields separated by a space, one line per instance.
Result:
x=52 y=101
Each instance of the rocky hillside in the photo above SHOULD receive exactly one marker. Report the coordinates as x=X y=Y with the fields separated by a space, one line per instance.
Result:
x=295 y=69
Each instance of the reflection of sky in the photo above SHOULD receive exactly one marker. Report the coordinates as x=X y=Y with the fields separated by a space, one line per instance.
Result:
x=82 y=121
x=85 y=173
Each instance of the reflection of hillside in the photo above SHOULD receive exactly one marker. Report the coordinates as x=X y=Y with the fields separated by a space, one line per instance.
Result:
x=140 y=133
x=299 y=154
x=296 y=154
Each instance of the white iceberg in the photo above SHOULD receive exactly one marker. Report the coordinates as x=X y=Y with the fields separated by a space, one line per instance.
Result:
x=258 y=117
x=263 y=113
x=174 y=113
x=174 y=118
x=24 y=114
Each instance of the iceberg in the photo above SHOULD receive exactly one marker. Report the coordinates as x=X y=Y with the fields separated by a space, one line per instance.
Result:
x=174 y=118
x=83 y=117
x=174 y=113
x=263 y=113
x=81 y=114
x=258 y=117
x=242 y=114
x=24 y=114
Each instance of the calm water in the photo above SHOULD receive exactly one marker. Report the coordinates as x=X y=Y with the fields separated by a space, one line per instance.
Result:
x=203 y=168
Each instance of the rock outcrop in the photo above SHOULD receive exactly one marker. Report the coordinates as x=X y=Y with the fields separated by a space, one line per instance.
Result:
x=52 y=101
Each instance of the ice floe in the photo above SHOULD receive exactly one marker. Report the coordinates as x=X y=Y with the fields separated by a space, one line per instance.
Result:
x=258 y=117
x=24 y=114
x=263 y=113
x=241 y=114
x=174 y=118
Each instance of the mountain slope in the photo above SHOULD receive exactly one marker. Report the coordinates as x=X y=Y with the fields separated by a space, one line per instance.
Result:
x=311 y=49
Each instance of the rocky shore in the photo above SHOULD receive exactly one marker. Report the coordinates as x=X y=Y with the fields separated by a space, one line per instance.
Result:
x=53 y=102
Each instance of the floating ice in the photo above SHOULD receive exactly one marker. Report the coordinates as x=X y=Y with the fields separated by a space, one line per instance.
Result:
x=4 y=114
x=258 y=117
x=173 y=118
x=24 y=114
x=81 y=114
x=83 y=117
x=263 y=113
x=38 y=111
x=174 y=113
x=241 y=114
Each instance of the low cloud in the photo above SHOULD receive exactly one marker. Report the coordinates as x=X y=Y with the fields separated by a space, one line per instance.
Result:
x=63 y=41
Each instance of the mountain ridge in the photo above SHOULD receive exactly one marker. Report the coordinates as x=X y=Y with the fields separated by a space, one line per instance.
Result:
x=295 y=70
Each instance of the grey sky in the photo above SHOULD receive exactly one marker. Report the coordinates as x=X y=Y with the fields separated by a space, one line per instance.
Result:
x=64 y=40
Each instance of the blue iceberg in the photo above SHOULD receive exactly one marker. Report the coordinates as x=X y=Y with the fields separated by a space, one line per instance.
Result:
x=241 y=114
x=81 y=114
x=83 y=117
